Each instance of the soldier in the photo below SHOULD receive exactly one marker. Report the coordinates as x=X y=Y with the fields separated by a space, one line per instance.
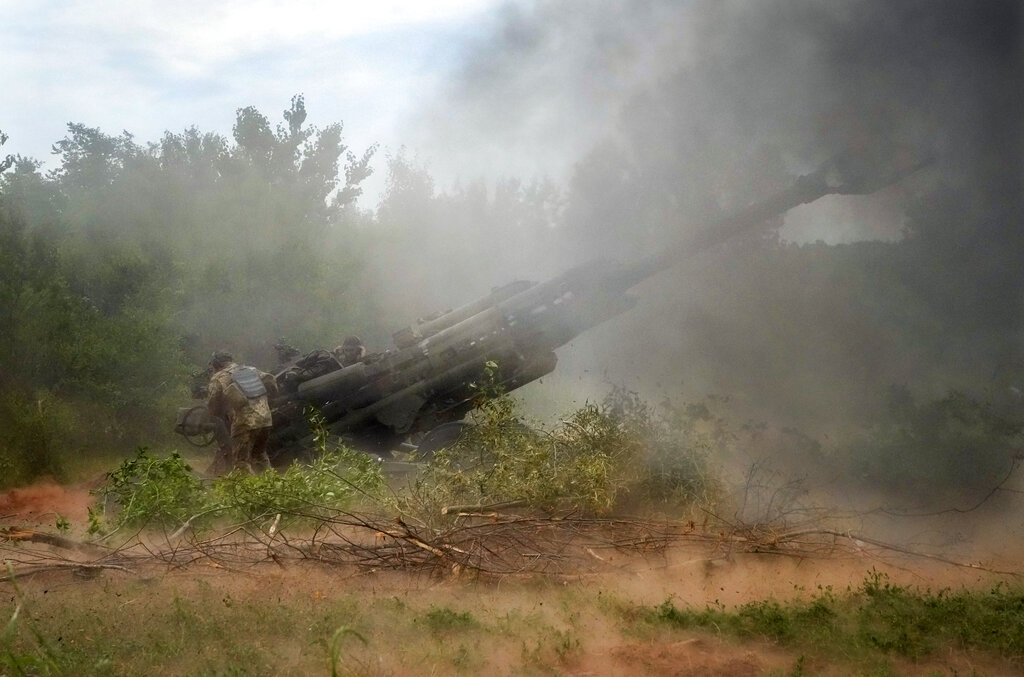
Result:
x=196 y=421
x=241 y=394
x=286 y=354
x=350 y=351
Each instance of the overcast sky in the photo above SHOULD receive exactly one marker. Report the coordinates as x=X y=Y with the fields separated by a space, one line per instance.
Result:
x=147 y=67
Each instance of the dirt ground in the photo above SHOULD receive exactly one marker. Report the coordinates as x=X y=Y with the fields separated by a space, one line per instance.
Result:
x=568 y=626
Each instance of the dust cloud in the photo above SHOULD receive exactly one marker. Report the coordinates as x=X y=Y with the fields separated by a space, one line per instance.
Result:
x=656 y=117
x=41 y=503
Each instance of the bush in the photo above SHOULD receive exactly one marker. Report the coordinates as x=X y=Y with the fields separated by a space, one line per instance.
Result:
x=152 y=492
x=670 y=447
x=502 y=460
x=598 y=460
x=34 y=432
x=331 y=482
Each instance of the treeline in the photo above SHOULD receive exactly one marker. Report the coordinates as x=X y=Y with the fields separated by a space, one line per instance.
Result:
x=124 y=266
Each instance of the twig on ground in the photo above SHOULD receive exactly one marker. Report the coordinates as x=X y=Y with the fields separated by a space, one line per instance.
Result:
x=29 y=535
x=472 y=509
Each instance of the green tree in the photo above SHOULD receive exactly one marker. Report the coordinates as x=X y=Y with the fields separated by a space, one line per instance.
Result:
x=127 y=262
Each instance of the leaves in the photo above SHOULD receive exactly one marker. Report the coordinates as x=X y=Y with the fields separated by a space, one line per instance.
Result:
x=594 y=462
x=150 y=492
x=129 y=262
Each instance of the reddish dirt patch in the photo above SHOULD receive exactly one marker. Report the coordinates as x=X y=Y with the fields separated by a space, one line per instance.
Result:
x=42 y=502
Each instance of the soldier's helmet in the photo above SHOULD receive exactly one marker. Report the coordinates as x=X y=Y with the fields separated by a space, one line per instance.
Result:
x=351 y=350
x=221 y=359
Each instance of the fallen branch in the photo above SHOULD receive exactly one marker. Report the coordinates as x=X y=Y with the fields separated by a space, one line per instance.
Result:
x=488 y=509
x=16 y=535
x=493 y=545
x=54 y=566
x=408 y=536
x=894 y=548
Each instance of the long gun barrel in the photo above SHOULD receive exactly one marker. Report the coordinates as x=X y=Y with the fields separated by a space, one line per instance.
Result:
x=842 y=175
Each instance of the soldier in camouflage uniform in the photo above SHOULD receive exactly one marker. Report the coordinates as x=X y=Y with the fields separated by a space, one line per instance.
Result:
x=196 y=421
x=241 y=394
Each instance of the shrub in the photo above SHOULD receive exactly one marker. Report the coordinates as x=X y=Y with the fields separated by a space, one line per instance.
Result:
x=331 y=482
x=599 y=459
x=34 y=433
x=670 y=448
x=152 y=491
x=148 y=492
x=501 y=459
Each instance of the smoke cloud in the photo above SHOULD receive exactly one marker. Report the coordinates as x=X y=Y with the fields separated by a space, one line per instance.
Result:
x=659 y=116
x=706 y=101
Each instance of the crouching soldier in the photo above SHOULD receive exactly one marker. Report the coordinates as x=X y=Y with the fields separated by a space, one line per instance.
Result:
x=240 y=394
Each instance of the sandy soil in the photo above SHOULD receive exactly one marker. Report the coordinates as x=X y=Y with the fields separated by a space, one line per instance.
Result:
x=40 y=504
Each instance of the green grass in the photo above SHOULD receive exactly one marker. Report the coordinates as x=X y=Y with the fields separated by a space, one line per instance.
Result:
x=876 y=620
x=233 y=625
x=443 y=619
x=313 y=622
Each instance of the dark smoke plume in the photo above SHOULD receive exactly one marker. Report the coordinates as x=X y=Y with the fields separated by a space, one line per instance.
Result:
x=704 y=101
x=663 y=114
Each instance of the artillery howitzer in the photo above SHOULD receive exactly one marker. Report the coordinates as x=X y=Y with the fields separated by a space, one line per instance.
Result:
x=424 y=385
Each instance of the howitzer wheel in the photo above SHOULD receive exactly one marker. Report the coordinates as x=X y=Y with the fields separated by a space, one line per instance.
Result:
x=193 y=424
